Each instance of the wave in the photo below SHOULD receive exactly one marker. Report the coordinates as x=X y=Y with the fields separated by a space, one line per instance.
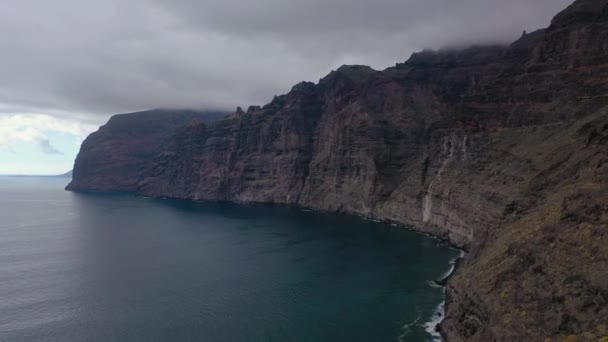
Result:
x=453 y=264
x=436 y=318
x=407 y=327
x=439 y=312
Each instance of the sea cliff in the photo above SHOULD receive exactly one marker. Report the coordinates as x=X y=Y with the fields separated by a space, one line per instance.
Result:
x=502 y=150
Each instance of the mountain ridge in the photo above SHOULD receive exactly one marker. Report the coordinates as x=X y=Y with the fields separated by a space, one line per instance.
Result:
x=501 y=150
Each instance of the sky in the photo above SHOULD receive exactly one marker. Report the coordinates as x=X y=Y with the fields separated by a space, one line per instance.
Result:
x=67 y=65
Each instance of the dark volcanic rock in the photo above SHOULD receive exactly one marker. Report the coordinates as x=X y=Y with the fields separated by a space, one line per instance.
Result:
x=501 y=150
x=112 y=158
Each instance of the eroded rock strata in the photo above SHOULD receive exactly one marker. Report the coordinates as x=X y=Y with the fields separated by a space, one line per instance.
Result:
x=112 y=159
x=502 y=150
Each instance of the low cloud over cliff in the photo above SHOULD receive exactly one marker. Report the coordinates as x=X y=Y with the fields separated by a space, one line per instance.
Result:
x=96 y=58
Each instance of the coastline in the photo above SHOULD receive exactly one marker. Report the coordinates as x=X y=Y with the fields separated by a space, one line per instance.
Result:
x=431 y=326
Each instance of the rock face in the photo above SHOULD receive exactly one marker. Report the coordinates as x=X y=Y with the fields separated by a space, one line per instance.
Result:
x=112 y=158
x=502 y=150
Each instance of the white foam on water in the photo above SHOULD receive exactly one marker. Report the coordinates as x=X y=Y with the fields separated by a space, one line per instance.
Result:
x=452 y=265
x=436 y=318
x=434 y=284
x=407 y=327
x=449 y=271
x=439 y=312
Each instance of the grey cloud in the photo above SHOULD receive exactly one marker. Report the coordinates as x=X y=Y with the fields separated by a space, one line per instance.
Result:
x=46 y=147
x=283 y=18
x=88 y=59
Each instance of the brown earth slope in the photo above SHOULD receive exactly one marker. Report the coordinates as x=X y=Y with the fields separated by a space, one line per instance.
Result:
x=503 y=150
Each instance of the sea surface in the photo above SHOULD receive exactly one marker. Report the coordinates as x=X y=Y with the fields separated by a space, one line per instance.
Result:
x=92 y=267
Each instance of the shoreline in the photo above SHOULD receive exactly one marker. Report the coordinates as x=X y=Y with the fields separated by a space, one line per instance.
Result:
x=288 y=205
x=432 y=327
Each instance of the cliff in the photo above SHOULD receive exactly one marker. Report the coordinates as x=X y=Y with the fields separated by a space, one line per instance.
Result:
x=501 y=150
x=112 y=158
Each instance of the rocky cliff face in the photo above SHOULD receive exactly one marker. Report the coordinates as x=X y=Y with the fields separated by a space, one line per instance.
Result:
x=502 y=150
x=112 y=158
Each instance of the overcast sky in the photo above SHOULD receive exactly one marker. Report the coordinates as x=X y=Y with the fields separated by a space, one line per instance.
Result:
x=76 y=62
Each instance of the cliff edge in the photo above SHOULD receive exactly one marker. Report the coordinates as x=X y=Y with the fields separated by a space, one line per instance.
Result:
x=113 y=158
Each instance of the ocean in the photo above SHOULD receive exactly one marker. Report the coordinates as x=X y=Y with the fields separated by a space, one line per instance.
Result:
x=96 y=267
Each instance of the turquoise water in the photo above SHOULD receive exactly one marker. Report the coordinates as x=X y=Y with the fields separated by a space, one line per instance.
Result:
x=83 y=267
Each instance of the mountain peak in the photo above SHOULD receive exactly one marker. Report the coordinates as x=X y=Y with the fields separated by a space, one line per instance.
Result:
x=581 y=12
